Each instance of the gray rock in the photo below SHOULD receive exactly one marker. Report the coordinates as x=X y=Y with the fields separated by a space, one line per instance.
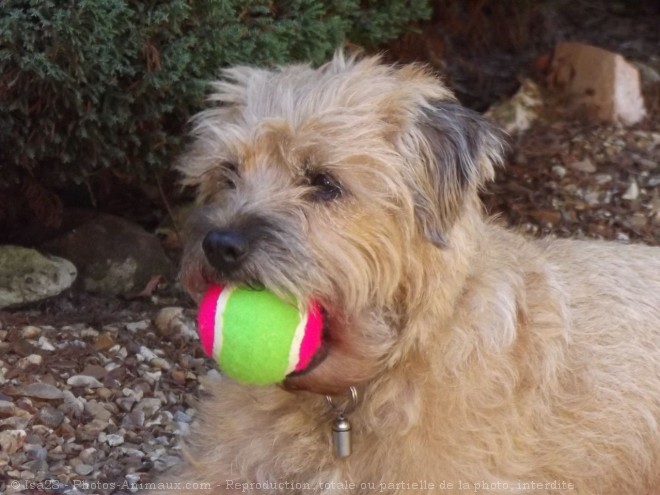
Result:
x=125 y=403
x=114 y=439
x=89 y=431
x=165 y=462
x=28 y=276
x=41 y=391
x=74 y=405
x=30 y=332
x=89 y=455
x=50 y=416
x=83 y=469
x=45 y=345
x=97 y=410
x=149 y=406
x=83 y=381
x=182 y=417
x=36 y=466
x=133 y=420
x=114 y=256
x=632 y=193
x=7 y=408
x=585 y=166
x=36 y=453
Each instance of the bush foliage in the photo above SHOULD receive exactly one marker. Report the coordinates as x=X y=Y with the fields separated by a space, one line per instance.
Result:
x=91 y=84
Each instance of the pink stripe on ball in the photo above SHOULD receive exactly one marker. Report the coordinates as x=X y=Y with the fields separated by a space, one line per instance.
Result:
x=312 y=340
x=206 y=318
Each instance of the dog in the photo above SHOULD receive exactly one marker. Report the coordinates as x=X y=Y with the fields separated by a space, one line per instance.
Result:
x=466 y=357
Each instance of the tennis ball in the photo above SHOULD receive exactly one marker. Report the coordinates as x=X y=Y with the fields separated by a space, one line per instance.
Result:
x=254 y=336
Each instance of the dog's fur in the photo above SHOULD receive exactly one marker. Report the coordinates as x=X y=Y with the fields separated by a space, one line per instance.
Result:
x=481 y=357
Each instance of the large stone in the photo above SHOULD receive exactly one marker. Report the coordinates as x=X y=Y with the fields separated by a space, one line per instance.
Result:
x=27 y=275
x=113 y=255
x=517 y=114
x=603 y=83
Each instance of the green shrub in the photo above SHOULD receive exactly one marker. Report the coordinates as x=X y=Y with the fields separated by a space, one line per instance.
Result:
x=91 y=84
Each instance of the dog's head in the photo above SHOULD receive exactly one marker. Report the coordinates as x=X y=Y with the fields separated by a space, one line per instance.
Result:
x=331 y=184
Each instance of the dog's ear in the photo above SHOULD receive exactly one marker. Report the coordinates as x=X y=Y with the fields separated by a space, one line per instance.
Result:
x=458 y=149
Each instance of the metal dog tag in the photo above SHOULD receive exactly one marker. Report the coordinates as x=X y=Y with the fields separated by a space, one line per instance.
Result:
x=341 y=436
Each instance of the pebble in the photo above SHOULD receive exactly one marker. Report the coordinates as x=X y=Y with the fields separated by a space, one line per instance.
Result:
x=7 y=408
x=592 y=198
x=83 y=469
x=131 y=451
x=89 y=332
x=125 y=403
x=51 y=417
x=133 y=394
x=97 y=410
x=601 y=179
x=94 y=370
x=147 y=354
x=27 y=475
x=44 y=344
x=132 y=479
x=559 y=171
x=179 y=377
x=632 y=193
x=73 y=403
x=35 y=452
x=12 y=440
x=91 y=430
x=152 y=378
x=137 y=325
x=181 y=417
x=133 y=420
x=41 y=391
x=103 y=342
x=104 y=393
x=114 y=439
x=30 y=332
x=88 y=455
x=37 y=466
x=83 y=381
x=585 y=166
x=168 y=320
x=160 y=363
x=165 y=462
x=29 y=361
x=149 y=406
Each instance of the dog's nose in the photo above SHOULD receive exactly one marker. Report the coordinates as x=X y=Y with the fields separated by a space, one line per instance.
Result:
x=225 y=249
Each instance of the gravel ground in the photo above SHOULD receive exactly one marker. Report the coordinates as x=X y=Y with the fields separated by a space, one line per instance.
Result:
x=583 y=180
x=97 y=405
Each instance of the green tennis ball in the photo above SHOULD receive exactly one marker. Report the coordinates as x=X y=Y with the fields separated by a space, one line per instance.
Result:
x=255 y=337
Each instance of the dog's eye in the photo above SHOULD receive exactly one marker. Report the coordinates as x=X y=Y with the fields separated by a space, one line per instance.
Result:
x=325 y=187
x=230 y=174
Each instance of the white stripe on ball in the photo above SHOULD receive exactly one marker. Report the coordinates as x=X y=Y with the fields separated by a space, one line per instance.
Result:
x=294 y=352
x=219 y=315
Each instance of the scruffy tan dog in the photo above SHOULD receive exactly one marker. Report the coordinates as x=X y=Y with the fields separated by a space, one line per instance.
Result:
x=484 y=362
